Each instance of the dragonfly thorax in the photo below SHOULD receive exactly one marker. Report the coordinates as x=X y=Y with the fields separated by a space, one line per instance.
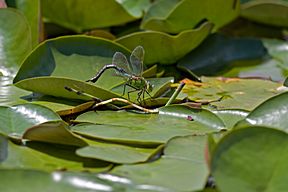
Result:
x=140 y=83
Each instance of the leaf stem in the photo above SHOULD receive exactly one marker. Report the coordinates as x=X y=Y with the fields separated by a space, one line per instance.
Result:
x=175 y=94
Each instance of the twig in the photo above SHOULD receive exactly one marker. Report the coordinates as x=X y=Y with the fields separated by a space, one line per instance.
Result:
x=127 y=102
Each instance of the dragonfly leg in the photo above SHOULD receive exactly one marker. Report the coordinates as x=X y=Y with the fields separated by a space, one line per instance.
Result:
x=139 y=96
x=148 y=93
x=128 y=93
x=124 y=89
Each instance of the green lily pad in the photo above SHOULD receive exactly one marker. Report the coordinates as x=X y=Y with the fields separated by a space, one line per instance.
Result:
x=251 y=159
x=9 y=94
x=173 y=16
x=116 y=153
x=15 y=33
x=59 y=105
x=218 y=52
x=80 y=16
x=16 y=119
x=22 y=180
x=55 y=86
x=232 y=93
x=271 y=113
x=163 y=48
x=274 y=67
x=53 y=132
x=181 y=168
x=267 y=68
x=135 y=7
x=278 y=50
x=31 y=10
x=41 y=156
x=271 y=12
x=148 y=129
x=76 y=57
x=231 y=116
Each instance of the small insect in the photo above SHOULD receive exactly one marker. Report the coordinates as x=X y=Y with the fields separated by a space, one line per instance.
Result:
x=131 y=72
x=190 y=118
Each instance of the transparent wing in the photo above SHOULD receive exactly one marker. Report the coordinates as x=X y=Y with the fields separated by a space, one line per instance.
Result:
x=136 y=61
x=120 y=60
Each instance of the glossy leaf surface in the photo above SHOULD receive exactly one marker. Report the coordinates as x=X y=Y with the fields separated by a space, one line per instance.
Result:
x=56 y=132
x=41 y=156
x=251 y=158
x=148 y=129
x=164 y=48
x=271 y=12
x=55 y=86
x=31 y=10
x=9 y=94
x=70 y=181
x=272 y=113
x=15 y=33
x=16 y=119
x=79 y=16
x=115 y=153
x=76 y=57
x=174 y=16
x=231 y=116
x=218 y=52
x=182 y=167
x=232 y=93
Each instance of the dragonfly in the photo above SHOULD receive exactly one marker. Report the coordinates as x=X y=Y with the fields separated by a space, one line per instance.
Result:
x=131 y=71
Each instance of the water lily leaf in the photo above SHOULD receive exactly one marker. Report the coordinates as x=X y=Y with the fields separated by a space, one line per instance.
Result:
x=68 y=13
x=218 y=52
x=147 y=129
x=53 y=132
x=16 y=119
x=22 y=180
x=181 y=168
x=231 y=93
x=41 y=156
x=116 y=153
x=267 y=68
x=278 y=50
x=174 y=16
x=275 y=67
x=275 y=12
x=9 y=94
x=55 y=86
x=135 y=8
x=15 y=33
x=31 y=10
x=59 y=105
x=75 y=57
x=231 y=116
x=163 y=48
x=271 y=113
x=237 y=162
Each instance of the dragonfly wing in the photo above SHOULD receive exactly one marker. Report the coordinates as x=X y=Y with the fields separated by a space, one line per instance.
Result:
x=120 y=60
x=136 y=61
